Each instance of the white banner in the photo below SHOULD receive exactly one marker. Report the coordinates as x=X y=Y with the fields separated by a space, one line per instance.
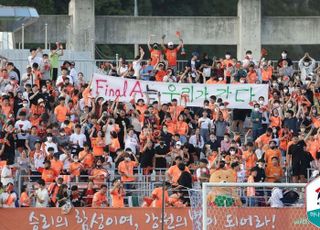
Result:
x=237 y=95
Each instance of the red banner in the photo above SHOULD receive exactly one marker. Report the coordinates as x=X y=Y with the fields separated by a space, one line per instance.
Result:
x=149 y=218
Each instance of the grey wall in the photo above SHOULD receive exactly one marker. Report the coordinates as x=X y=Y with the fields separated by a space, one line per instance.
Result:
x=194 y=30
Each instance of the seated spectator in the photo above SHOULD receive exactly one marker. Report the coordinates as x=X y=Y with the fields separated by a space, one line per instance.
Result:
x=41 y=195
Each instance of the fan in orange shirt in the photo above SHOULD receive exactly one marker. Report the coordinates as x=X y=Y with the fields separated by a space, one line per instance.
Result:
x=273 y=151
x=98 y=143
x=100 y=198
x=99 y=174
x=86 y=157
x=264 y=139
x=61 y=111
x=117 y=194
x=157 y=195
x=48 y=174
x=249 y=157
x=252 y=76
x=175 y=109
x=56 y=164
x=274 y=172
x=173 y=173
x=25 y=200
x=182 y=128
x=75 y=168
x=125 y=168
x=160 y=72
x=170 y=124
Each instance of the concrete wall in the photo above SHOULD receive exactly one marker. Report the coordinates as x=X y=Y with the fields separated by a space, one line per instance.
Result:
x=290 y=30
x=195 y=30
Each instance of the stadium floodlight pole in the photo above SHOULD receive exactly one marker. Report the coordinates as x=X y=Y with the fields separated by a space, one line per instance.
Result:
x=135 y=13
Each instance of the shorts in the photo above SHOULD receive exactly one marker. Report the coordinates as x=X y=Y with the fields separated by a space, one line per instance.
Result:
x=298 y=169
x=239 y=114
x=54 y=74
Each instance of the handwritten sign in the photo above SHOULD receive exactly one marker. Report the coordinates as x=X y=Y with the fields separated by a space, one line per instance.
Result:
x=150 y=218
x=237 y=95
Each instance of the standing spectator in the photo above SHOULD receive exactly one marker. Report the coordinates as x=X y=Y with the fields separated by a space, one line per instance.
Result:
x=306 y=66
x=136 y=64
x=157 y=195
x=100 y=198
x=256 y=119
x=55 y=52
x=62 y=196
x=251 y=191
x=75 y=196
x=41 y=195
x=88 y=194
x=155 y=52
x=171 y=53
x=126 y=167
x=35 y=56
x=8 y=198
x=117 y=194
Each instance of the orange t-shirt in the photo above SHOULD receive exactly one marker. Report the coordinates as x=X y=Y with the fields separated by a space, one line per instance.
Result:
x=252 y=77
x=250 y=159
x=117 y=199
x=74 y=168
x=57 y=166
x=160 y=75
x=24 y=200
x=211 y=81
x=175 y=111
x=175 y=173
x=275 y=121
x=171 y=55
x=98 y=145
x=273 y=173
x=48 y=175
x=157 y=195
x=264 y=139
x=98 y=200
x=87 y=160
x=115 y=145
x=61 y=112
x=155 y=56
x=265 y=75
x=182 y=128
x=99 y=176
x=7 y=110
x=270 y=153
x=171 y=127
x=127 y=168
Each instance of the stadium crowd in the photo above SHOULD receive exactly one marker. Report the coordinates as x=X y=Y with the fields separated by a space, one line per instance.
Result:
x=53 y=129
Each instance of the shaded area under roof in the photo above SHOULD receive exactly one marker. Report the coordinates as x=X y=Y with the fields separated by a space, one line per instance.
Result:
x=12 y=17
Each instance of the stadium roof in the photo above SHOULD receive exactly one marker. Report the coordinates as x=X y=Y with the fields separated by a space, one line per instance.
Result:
x=12 y=17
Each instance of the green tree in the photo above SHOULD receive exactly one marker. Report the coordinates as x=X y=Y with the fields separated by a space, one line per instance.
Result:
x=43 y=6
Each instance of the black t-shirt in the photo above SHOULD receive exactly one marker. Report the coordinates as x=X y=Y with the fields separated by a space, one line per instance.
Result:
x=34 y=100
x=146 y=158
x=261 y=175
x=296 y=150
x=185 y=179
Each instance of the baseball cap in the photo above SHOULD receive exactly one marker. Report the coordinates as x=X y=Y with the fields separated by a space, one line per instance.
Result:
x=170 y=43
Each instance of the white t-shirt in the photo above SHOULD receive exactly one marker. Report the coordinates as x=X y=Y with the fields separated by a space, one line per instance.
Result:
x=4 y=173
x=78 y=139
x=136 y=67
x=66 y=163
x=39 y=158
x=274 y=200
x=25 y=126
x=43 y=195
x=74 y=75
x=51 y=144
x=60 y=79
x=204 y=122
x=131 y=142
x=36 y=59
x=4 y=196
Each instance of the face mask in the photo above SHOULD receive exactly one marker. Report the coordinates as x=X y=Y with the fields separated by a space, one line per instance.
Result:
x=232 y=152
x=127 y=159
x=261 y=102
x=276 y=105
x=284 y=55
x=226 y=139
x=303 y=130
x=289 y=105
x=227 y=56
x=212 y=139
x=165 y=130
x=242 y=81
x=314 y=111
x=306 y=63
x=24 y=105
x=49 y=139
x=221 y=107
x=274 y=84
x=220 y=78
x=307 y=82
x=178 y=146
x=285 y=90
x=272 y=147
x=274 y=131
x=256 y=109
